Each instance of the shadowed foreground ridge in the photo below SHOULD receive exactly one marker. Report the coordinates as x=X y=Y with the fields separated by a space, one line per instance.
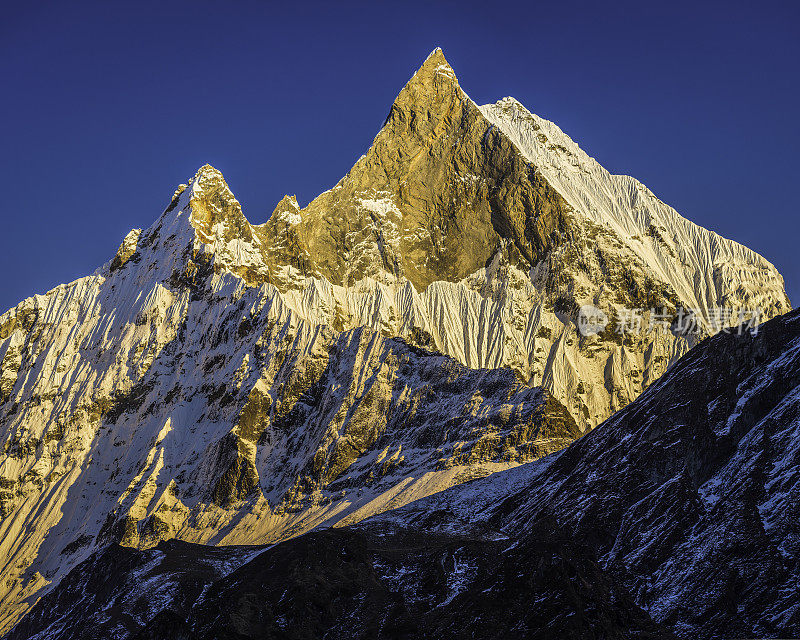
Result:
x=362 y=582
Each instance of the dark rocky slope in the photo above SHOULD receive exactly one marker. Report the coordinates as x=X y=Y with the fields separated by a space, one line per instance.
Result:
x=361 y=582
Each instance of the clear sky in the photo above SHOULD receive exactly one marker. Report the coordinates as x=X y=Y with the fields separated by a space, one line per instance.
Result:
x=107 y=106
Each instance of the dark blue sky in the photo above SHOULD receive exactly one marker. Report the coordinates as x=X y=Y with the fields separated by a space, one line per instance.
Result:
x=107 y=106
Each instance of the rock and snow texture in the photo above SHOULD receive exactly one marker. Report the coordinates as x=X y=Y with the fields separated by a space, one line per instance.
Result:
x=159 y=399
x=676 y=517
x=410 y=329
x=689 y=495
x=704 y=270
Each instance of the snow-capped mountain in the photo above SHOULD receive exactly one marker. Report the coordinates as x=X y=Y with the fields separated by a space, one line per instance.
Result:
x=675 y=517
x=410 y=329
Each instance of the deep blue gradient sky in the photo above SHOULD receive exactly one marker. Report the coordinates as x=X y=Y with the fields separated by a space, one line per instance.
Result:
x=107 y=106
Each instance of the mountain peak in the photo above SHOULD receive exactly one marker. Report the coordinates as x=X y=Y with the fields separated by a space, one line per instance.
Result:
x=287 y=210
x=206 y=175
x=436 y=57
x=433 y=86
x=215 y=211
x=207 y=169
x=434 y=72
x=208 y=182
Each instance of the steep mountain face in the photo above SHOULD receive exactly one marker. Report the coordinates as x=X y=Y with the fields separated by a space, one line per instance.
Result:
x=676 y=517
x=619 y=227
x=410 y=329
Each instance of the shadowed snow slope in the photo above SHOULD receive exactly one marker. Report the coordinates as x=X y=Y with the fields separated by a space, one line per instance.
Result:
x=410 y=329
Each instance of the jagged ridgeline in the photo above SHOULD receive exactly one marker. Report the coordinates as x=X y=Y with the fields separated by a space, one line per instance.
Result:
x=410 y=329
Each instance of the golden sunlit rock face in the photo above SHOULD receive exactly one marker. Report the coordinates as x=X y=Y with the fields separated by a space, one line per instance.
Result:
x=435 y=198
